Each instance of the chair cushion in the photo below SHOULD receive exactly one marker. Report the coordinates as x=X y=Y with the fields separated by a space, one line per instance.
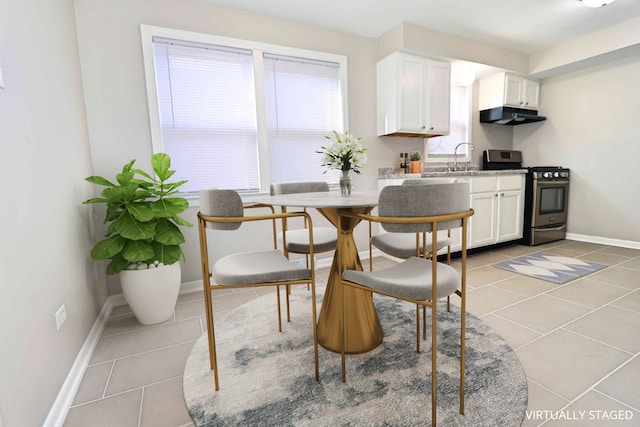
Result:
x=247 y=268
x=422 y=201
x=324 y=239
x=409 y=279
x=403 y=245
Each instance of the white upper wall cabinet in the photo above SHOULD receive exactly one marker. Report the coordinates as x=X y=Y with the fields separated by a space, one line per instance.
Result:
x=508 y=89
x=413 y=96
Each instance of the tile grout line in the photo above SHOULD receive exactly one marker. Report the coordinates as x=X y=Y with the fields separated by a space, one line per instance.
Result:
x=106 y=384
x=149 y=351
x=593 y=386
x=140 y=410
x=616 y=400
x=630 y=353
x=146 y=327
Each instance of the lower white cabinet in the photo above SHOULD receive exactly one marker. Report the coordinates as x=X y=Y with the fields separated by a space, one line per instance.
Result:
x=498 y=204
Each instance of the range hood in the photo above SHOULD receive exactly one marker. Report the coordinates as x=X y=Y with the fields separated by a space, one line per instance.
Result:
x=510 y=116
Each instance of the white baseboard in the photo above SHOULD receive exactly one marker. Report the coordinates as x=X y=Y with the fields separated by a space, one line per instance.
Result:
x=60 y=409
x=603 y=240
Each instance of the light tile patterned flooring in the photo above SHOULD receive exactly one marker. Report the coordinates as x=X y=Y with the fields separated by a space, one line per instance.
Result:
x=578 y=343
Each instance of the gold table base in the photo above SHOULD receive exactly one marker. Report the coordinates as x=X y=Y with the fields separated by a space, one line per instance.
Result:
x=364 y=332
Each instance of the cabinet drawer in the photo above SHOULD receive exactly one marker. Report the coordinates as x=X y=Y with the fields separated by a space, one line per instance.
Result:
x=511 y=182
x=482 y=184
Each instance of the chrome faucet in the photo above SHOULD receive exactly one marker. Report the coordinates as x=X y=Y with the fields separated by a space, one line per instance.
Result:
x=455 y=154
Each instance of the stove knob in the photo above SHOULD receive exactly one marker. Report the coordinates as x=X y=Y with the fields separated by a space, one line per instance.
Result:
x=546 y=174
x=556 y=174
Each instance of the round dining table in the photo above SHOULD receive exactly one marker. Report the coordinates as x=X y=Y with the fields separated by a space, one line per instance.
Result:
x=364 y=332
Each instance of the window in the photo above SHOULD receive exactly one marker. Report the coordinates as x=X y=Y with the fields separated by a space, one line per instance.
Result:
x=303 y=105
x=239 y=115
x=440 y=149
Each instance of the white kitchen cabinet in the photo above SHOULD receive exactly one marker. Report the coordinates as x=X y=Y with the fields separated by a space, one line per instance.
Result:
x=508 y=89
x=413 y=96
x=456 y=234
x=498 y=204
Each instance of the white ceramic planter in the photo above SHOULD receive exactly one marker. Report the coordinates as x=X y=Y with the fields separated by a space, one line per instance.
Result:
x=152 y=293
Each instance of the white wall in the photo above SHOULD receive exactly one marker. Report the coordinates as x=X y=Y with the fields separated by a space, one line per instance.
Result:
x=593 y=129
x=45 y=229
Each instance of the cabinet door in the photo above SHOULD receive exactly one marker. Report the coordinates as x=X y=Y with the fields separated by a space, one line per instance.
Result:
x=509 y=215
x=513 y=90
x=438 y=97
x=412 y=94
x=531 y=94
x=482 y=225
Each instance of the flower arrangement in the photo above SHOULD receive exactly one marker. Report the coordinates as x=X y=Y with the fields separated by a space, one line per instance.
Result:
x=345 y=152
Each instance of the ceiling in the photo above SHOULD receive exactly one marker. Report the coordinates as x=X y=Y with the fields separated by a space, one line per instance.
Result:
x=526 y=26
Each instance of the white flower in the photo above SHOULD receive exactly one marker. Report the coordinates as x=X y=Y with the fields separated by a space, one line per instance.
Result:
x=345 y=153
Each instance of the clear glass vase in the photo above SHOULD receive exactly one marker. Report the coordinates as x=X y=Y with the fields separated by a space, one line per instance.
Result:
x=345 y=184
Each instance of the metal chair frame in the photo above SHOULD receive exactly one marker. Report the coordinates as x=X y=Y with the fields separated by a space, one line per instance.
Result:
x=208 y=286
x=434 y=220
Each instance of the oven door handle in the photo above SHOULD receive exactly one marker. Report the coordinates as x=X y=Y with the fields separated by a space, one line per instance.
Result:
x=552 y=228
x=555 y=183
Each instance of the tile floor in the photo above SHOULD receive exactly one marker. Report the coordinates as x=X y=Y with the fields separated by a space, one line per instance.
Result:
x=578 y=343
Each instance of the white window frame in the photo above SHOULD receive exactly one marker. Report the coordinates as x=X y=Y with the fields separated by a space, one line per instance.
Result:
x=465 y=154
x=148 y=32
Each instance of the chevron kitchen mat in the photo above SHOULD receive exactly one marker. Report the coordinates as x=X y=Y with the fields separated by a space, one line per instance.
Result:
x=552 y=268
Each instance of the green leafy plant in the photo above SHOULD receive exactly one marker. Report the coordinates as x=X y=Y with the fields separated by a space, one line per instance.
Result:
x=143 y=216
x=415 y=156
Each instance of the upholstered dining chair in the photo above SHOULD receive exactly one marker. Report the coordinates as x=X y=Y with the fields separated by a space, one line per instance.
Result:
x=406 y=245
x=421 y=281
x=297 y=241
x=223 y=210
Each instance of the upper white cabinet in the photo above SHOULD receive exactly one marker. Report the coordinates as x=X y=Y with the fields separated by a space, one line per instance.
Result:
x=413 y=96
x=508 y=89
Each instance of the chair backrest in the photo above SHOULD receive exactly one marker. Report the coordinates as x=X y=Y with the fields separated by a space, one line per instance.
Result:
x=298 y=187
x=421 y=201
x=221 y=203
x=423 y=181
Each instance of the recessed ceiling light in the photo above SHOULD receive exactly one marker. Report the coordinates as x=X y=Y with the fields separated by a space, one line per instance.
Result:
x=597 y=3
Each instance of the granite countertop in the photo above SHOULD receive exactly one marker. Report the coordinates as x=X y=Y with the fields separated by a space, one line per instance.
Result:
x=392 y=173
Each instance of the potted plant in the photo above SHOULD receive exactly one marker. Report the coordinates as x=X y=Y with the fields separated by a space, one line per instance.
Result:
x=143 y=236
x=415 y=158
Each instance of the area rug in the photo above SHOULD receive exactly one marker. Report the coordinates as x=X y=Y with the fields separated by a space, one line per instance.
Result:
x=552 y=268
x=267 y=378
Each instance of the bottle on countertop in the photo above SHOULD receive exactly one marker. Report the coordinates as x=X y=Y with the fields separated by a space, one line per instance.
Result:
x=401 y=170
x=407 y=163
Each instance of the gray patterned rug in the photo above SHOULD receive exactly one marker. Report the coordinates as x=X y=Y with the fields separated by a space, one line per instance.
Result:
x=549 y=267
x=267 y=378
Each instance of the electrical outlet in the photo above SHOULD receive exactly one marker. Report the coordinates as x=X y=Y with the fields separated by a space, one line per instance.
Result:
x=1 y=87
x=61 y=317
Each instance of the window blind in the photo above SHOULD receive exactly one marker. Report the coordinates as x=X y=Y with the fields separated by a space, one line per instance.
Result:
x=303 y=104
x=207 y=106
x=443 y=146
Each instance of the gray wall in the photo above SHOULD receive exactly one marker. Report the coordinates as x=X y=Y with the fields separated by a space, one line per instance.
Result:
x=593 y=129
x=45 y=229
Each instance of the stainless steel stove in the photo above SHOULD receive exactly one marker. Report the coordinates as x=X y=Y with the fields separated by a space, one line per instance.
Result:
x=546 y=204
x=546 y=197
